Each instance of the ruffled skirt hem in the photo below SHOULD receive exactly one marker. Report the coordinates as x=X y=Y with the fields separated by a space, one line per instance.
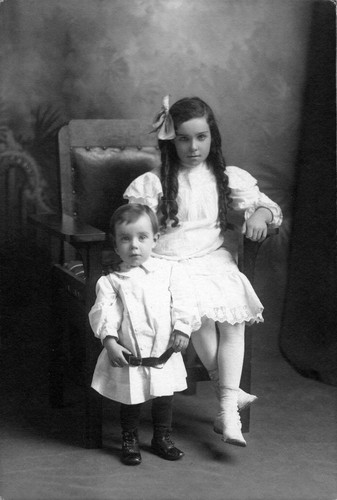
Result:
x=238 y=316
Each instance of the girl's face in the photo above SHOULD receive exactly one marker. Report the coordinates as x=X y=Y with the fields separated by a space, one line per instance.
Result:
x=134 y=241
x=193 y=142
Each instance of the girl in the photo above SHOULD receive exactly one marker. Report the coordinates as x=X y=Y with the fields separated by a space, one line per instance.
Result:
x=195 y=196
x=141 y=309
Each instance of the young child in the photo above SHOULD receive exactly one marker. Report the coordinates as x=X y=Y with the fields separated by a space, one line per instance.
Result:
x=143 y=313
x=195 y=196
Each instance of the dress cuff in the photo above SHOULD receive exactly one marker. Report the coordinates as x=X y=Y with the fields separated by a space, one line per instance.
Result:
x=183 y=327
x=276 y=214
x=103 y=335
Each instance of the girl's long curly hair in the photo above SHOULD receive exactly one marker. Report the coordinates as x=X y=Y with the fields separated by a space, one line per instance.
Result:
x=183 y=110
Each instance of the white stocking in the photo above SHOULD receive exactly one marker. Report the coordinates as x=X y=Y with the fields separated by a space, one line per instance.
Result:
x=230 y=354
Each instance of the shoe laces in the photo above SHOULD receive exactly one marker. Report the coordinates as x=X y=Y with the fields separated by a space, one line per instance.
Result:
x=165 y=436
x=168 y=440
x=129 y=438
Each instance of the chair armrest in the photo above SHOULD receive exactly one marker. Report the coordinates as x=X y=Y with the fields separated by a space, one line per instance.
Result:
x=67 y=228
x=248 y=253
x=271 y=230
x=248 y=250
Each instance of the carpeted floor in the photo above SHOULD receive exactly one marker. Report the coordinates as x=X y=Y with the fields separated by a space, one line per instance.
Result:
x=291 y=452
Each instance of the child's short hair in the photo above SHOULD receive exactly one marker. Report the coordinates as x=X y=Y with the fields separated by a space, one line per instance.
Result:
x=130 y=213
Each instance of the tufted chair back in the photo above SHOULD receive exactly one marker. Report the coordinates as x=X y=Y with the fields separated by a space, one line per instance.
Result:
x=98 y=160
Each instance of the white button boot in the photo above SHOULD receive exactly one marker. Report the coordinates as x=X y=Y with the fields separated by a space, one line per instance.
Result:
x=244 y=398
x=229 y=418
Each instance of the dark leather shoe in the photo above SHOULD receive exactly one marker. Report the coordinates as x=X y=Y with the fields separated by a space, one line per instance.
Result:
x=130 y=448
x=163 y=446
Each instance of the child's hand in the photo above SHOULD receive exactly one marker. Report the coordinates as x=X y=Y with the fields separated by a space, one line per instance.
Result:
x=180 y=341
x=115 y=352
x=255 y=228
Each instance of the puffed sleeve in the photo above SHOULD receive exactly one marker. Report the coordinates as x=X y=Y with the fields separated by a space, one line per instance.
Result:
x=145 y=189
x=247 y=197
x=185 y=314
x=105 y=316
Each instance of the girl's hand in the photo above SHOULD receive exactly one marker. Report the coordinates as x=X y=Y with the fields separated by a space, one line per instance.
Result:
x=255 y=228
x=115 y=352
x=180 y=341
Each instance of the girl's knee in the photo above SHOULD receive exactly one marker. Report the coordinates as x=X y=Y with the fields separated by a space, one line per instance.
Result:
x=208 y=323
x=207 y=327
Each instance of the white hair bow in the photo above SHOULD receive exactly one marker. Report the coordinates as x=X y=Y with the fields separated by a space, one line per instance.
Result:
x=163 y=123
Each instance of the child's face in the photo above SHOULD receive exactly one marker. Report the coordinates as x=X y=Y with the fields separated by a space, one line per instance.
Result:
x=134 y=241
x=193 y=142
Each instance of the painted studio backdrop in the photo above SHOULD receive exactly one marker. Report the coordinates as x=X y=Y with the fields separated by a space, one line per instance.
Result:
x=266 y=68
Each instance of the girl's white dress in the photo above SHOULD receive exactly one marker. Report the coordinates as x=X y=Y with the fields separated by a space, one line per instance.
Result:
x=141 y=307
x=223 y=293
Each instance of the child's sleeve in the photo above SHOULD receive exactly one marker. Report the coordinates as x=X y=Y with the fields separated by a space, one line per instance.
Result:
x=185 y=314
x=145 y=189
x=247 y=197
x=105 y=316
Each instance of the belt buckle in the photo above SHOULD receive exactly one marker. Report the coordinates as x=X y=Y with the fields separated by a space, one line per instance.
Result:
x=134 y=361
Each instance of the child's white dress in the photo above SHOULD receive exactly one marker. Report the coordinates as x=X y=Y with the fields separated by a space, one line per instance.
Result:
x=223 y=293
x=140 y=307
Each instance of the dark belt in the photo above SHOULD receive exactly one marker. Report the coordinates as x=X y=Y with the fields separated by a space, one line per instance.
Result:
x=152 y=361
